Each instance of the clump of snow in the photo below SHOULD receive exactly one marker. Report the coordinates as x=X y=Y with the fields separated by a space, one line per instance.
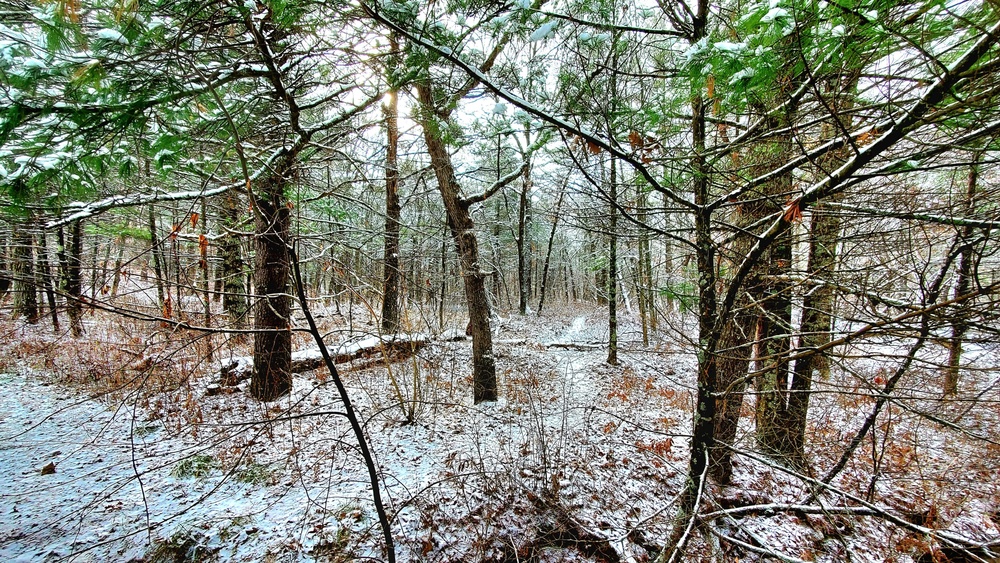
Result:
x=113 y=35
x=543 y=32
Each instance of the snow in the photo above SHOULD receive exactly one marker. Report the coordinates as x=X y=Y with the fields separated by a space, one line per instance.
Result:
x=283 y=480
x=543 y=32
x=729 y=46
x=112 y=35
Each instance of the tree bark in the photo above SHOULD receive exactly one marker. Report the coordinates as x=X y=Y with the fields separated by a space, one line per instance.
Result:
x=523 y=244
x=963 y=281
x=272 y=376
x=548 y=252
x=463 y=231
x=393 y=212
x=23 y=267
x=47 y=280
x=71 y=261
x=156 y=252
x=613 y=266
x=234 y=291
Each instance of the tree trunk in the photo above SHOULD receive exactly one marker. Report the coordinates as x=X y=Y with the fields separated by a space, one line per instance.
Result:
x=463 y=231
x=613 y=266
x=155 y=250
x=234 y=291
x=117 y=277
x=47 y=280
x=959 y=325
x=523 y=245
x=548 y=252
x=272 y=377
x=70 y=261
x=23 y=269
x=393 y=212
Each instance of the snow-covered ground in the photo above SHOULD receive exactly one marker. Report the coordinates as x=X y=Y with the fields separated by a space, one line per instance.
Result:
x=575 y=457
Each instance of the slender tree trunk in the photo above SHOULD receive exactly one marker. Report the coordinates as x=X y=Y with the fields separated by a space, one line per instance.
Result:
x=548 y=251
x=272 y=377
x=613 y=266
x=47 y=280
x=443 y=289
x=393 y=212
x=23 y=267
x=5 y=274
x=71 y=260
x=117 y=277
x=963 y=282
x=205 y=278
x=523 y=245
x=155 y=251
x=642 y=283
x=463 y=231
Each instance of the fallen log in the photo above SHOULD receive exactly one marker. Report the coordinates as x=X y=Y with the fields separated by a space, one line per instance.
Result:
x=578 y=346
x=394 y=346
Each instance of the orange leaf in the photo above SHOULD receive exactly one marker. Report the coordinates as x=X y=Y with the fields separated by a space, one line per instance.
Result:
x=173 y=231
x=710 y=83
x=290 y=205
x=203 y=245
x=593 y=147
x=194 y=220
x=635 y=139
x=793 y=212
x=867 y=137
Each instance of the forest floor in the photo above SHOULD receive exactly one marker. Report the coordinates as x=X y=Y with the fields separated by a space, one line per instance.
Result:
x=112 y=449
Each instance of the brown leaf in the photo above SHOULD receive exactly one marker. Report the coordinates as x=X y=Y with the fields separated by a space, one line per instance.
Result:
x=194 y=220
x=635 y=139
x=793 y=212
x=710 y=84
x=49 y=469
x=203 y=245
x=593 y=147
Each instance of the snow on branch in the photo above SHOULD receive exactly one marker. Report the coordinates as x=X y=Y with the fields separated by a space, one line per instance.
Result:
x=497 y=186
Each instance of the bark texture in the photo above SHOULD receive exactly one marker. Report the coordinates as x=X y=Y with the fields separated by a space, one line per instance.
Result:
x=484 y=379
x=272 y=377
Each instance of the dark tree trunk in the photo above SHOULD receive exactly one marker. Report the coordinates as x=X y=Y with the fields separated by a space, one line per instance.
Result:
x=5 y=274
x=703 y=435
x=548 y=251
x=70 y=261
x=272 y=377
x=23 y=268
x=463 y=231
x=47 y=280
x=393 y=212
x=156 y=251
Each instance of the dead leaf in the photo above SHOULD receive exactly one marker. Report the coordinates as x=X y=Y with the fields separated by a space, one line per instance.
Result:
x=194 y=220
x=793 y=212
x=635 y=139
x=49 y=469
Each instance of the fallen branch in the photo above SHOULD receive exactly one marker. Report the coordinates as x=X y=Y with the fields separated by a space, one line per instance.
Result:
x=399 y=346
